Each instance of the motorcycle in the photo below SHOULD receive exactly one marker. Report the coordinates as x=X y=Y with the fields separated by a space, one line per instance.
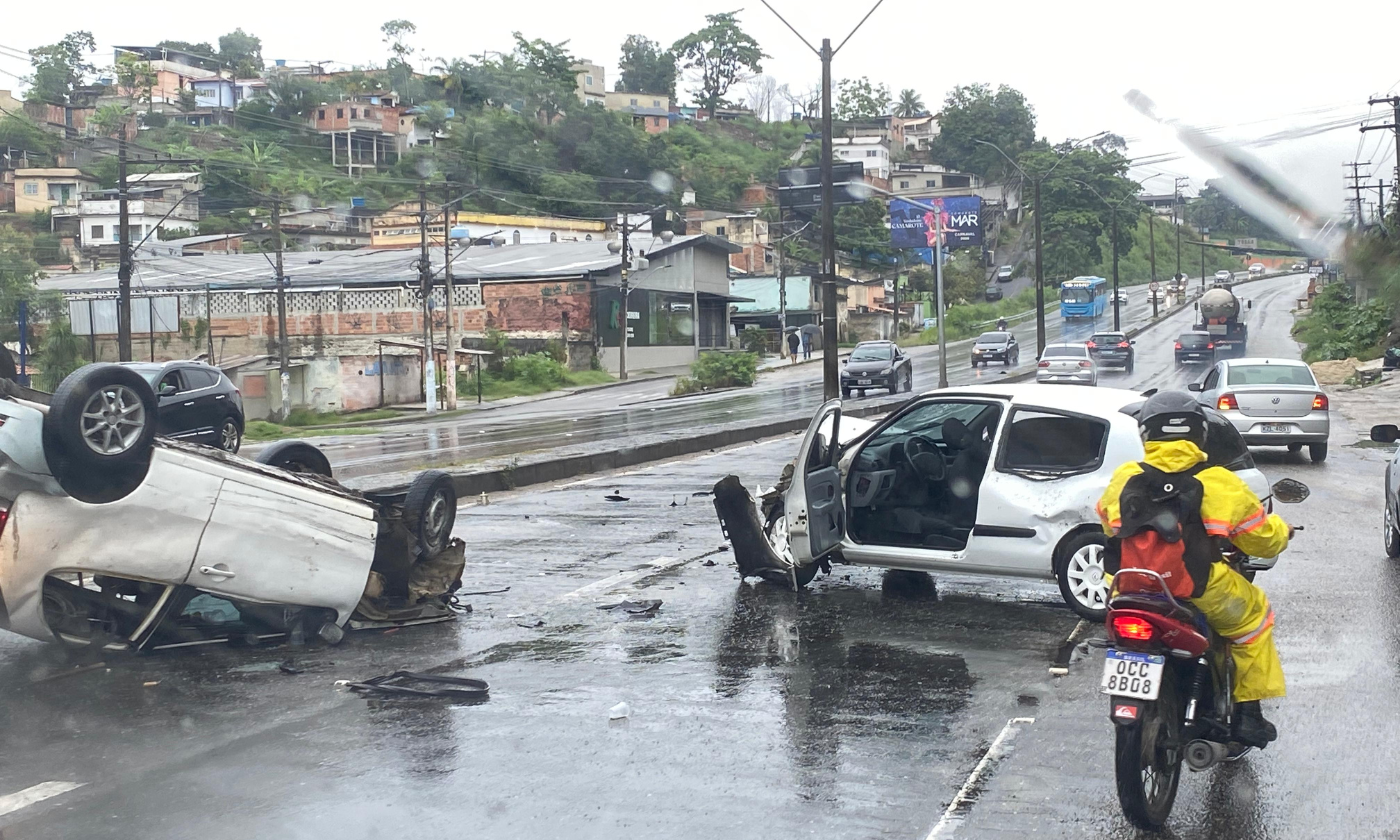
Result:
x=1169 y=679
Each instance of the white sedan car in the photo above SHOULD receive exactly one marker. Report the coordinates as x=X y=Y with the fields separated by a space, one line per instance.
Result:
x=1272 y=402
x=995 y=480
x=1067 y=364
x=112 y=538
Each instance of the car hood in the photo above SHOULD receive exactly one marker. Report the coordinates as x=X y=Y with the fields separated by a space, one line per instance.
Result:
x=993 y=347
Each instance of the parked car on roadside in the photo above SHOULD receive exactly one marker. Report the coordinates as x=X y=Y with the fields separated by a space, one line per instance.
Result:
x=195 y=402
x=997 y=480
x=1006 y=274
x=1194 y=347
x=1272 y=402
x=876 y=364
x=1256 y=270
x=1068 y=364
x=1112 y=349
x=112 y=537
x=1390 y=519
x=992 y=293
x=998 y=346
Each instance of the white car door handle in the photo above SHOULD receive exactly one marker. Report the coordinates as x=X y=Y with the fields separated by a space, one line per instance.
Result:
x=191 y=402
x=216 y=571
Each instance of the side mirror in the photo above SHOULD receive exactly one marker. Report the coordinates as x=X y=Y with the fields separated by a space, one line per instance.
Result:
x=1249 y=304
x=1194 y=386
x=166 y=389
x=1132 y=341
x=1385 y=433
x=1290 y=491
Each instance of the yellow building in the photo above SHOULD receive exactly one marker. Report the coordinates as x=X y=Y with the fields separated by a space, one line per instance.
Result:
x=398 y=228
x=44 y=189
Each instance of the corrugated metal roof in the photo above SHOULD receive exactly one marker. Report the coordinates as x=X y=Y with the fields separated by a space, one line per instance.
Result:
x=371 y=267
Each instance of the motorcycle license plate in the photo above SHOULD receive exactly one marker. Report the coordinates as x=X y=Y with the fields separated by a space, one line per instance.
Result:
x=1128 y=674
x=1275 y=428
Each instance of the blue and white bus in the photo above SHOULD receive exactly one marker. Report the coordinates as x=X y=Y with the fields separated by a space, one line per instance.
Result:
x=1083 y=297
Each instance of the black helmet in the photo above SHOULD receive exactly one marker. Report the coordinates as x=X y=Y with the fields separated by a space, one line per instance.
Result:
x=1172 y=415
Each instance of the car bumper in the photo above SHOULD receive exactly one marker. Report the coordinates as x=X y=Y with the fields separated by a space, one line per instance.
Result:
x=856 y=383
x=989 y=357
x=1086 y=378
x=1201 y=357
x=1307 y=429
x=1117 y=359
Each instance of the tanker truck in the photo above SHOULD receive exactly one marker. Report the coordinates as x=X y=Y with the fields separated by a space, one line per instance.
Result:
x=1221 y=314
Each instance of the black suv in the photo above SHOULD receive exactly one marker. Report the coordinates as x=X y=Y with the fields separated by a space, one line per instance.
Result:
x=1111 y=349
x=195 y=402
x=999 y=346
x=1195 y=347
x=877 y=364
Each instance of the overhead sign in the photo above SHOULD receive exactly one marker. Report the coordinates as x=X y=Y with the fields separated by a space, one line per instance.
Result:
x=799 y=187
x=1250 y=243
x=914 y=225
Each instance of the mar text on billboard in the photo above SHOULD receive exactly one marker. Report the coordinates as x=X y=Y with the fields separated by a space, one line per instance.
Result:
x=913 y=225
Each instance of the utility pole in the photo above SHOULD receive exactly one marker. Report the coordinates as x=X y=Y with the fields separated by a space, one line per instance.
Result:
x=1379 y=186
x=1178 y=220
x=1115 y=269
x=938 y=286
x=1151 y=244
x=830 y=369
x=123 y=257
x=1393 y=125
x=782 y=283
x=209 y=321
x=284 y=368
x=451 y=373
x=1039 y=280
x=625 y=289
x=425 y=275
x=1357 y=187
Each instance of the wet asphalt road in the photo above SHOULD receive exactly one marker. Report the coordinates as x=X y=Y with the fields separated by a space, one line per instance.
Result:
x=628 y=412
x=857 y=708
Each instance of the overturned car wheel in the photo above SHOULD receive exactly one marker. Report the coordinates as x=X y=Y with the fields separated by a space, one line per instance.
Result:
x=430 y=511
x=296 y=456
x=99 y=432
x=775 y=530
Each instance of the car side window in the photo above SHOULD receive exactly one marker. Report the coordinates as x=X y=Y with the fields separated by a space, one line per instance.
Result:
x=1048 y=443
x=172 y=378
x=1211 y=379
x=197 y=378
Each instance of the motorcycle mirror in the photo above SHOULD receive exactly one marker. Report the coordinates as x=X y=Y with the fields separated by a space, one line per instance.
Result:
x=1193 y=386
x=1290 y=491
x=1385 y=433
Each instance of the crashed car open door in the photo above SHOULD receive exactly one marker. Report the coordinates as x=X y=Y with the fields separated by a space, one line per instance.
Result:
x=815 y=505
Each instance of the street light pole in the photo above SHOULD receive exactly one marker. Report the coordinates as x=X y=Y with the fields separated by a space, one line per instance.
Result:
x=938 y=286
x=830 y=371
x=1116 y=320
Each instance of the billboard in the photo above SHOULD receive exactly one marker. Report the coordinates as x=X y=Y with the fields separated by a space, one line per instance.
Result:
x=912 y=226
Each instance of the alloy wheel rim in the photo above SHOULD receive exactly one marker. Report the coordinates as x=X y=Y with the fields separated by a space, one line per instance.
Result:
x=778 y=538
x=229 y=439
x=1085 y=574
x=435 y=518
x=113 y=419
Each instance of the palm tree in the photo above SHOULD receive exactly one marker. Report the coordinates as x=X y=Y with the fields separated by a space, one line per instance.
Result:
x=910 y=104
x=110 y=118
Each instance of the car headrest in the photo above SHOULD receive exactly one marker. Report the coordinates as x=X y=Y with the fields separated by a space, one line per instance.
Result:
x=955 y=432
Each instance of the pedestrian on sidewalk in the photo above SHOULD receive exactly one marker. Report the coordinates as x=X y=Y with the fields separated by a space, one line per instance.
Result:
x=806 y=345
x=792 y=343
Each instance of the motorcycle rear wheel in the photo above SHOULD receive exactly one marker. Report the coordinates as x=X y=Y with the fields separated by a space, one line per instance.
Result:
x=1147 y=759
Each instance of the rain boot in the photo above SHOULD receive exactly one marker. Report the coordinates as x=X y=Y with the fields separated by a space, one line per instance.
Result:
x=1251 y=727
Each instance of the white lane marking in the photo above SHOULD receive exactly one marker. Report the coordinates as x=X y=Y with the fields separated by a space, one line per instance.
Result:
x=31 y=795
x=962 y=803
x=653 y=567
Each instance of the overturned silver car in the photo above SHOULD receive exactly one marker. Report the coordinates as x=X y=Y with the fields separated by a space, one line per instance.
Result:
x=111 y=537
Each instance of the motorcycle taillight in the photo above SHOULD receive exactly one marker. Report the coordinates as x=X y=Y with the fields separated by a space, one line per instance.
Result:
x=1132 y=628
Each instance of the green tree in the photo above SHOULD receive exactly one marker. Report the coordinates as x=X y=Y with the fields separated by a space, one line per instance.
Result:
x=857 y=99
x=976 y=112
x=1214 y=210
x=60 y=353
x=722 y=54
x=910 y=104
x=396 y=34
x=862 y=230
x=60 y=68
x=242 y=53
x=1078 y=219
x=110 y=118
x=547 y=82
x=646 y=67
x=135 y=79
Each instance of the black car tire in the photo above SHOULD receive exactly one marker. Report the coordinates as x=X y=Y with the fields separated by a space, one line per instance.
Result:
x=430 y=511
x=118 y=393
x=908 y=381
x=1295 y=448
x=1317 y=452
x=974 y=364
x=296 y=456
x=1391 y=532
x=230 y=436
x=845 y=393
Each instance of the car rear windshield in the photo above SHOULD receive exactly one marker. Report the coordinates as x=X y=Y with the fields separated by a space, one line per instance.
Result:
x=1271 y=375
x=1191 y=341
x=993 y=338
x=1108 y=338
x=872 y=353
x=1066 y=351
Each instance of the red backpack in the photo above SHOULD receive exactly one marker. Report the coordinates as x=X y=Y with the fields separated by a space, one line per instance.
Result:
x=1161 y=530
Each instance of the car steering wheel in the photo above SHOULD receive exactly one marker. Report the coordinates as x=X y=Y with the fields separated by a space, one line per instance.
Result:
x=925 y=457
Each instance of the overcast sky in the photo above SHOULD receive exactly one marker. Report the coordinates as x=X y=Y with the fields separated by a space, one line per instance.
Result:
x=1246 y=67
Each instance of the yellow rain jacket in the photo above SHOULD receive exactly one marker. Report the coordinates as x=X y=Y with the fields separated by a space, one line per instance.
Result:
x=1234 y=607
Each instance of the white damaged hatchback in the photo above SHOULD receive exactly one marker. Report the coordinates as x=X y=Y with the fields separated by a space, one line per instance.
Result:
x=996 y=480
x=112 y=538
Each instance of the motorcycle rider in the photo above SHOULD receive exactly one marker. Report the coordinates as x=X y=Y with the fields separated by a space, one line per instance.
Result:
x=1173 y=428
x=1001 y=324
